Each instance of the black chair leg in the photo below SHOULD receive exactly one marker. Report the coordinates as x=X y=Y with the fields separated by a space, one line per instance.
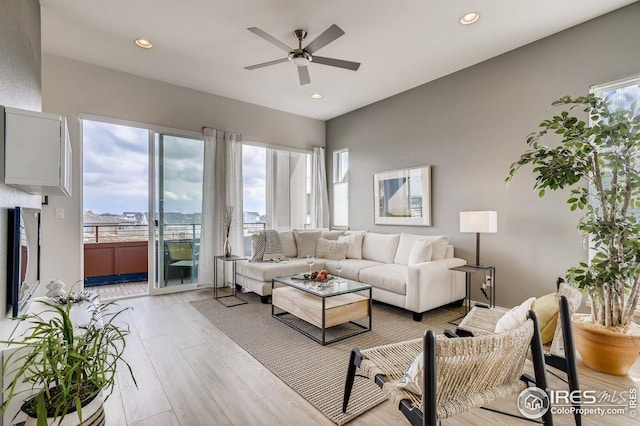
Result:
x=429 y=380
x=540 y=372
x=354 y=362
x=570 y=355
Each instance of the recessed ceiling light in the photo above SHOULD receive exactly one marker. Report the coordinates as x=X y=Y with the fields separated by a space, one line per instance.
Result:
x=145 y=44
x=469 y=18
x=317 y=96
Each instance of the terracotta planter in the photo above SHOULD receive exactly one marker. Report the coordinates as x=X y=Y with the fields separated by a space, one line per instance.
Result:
x=604 y=350
x=92 y=414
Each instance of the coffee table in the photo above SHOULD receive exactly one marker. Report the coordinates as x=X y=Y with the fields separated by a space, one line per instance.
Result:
x=337 y=304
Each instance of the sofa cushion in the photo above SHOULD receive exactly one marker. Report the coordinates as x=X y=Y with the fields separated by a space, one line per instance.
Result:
x=332 y=235
x=306 y=241
x=354 y=244
x=329 y=249
x=389 y=277
x=288 y=244
x=405 y=244
x=420 y=252
x=351 y=267
x=380 y=247
x=439 y=245
x=267 y=270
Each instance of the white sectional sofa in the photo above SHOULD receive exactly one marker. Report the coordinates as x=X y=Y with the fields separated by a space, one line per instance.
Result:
x=385 y=261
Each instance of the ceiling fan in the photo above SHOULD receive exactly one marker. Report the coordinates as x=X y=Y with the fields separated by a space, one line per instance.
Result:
x=301 y=57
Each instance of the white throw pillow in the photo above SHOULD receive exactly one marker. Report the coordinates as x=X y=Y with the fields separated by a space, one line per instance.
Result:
x=329 y=249
x=420 y=252
x=288 y=244
x=332 y=235
x=412 y=379
x=354 y=244
x=306 y=241
x=515 y=317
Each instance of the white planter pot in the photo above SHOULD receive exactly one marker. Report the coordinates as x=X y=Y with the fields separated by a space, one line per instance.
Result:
x=92 y=415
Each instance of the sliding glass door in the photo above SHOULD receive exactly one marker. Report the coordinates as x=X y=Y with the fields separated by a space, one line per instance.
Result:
x=177 y=203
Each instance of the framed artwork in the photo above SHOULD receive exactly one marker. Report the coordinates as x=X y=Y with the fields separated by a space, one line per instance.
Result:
x=403 y=197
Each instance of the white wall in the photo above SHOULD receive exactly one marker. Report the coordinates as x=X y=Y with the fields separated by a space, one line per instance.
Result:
x=19 y=88
x=71 y=88
x=471 y=125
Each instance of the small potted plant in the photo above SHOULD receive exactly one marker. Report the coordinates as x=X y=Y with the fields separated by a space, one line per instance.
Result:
x=600 y=163
x=70 y=367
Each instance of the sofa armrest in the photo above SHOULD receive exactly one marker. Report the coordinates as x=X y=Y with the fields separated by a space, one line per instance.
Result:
x=432 y=284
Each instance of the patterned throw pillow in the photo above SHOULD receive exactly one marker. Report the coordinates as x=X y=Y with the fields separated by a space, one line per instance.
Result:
x=259 y=242
x=329 y=249
x=412 y=379
x=266 y=246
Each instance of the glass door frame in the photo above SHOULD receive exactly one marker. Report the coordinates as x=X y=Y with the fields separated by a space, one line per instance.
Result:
x=154 y=250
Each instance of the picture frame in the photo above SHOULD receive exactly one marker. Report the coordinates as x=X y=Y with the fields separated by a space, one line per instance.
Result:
x=402 y=197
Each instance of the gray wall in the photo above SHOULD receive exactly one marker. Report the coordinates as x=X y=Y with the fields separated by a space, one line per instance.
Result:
x=19 y=88
x=72 y=88
x=470 y=126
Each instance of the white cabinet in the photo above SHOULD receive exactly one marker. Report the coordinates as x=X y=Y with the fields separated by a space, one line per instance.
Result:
x=37 y=152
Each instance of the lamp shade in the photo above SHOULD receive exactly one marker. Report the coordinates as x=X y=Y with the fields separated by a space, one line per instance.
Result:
x=479 y=222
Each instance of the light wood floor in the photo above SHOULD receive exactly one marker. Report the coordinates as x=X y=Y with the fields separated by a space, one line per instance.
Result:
x=190 y=373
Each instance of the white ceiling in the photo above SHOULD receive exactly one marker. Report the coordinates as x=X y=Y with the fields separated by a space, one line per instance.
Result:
x=205 y=45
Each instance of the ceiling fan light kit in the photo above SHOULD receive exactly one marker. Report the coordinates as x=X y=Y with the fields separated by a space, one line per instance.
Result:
x=301 y=57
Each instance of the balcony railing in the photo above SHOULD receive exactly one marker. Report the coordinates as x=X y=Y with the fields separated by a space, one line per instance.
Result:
x=183 y=231
x=119 y=233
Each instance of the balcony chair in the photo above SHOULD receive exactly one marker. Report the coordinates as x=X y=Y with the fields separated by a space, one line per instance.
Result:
x=560 y=354
x=459 y=374
x=181 y=256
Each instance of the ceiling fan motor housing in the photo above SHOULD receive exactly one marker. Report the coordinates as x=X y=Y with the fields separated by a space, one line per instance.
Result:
x=300 y=57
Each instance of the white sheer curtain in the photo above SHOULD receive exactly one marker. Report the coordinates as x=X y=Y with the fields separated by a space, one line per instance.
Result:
x=320 y=212
x=222 y=186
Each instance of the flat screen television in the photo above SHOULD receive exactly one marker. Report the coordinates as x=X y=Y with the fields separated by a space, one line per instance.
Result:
x=23 y=256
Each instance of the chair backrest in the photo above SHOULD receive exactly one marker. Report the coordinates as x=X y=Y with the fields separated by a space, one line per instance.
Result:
x=179 y=250
x=480 y=368
x=574 y=297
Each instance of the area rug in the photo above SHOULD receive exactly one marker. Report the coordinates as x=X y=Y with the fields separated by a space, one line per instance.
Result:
x=314 y=371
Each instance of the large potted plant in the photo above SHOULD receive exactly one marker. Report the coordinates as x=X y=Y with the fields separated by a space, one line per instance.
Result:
x=70 y=367
x=600 y=164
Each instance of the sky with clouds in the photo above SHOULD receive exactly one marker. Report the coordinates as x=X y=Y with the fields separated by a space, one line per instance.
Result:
x=116 y=171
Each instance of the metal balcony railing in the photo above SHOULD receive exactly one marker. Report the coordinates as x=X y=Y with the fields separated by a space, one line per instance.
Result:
x=125 y=232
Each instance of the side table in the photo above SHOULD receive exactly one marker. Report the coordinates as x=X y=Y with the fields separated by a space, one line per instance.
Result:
x=233 y=259
x=471 y=269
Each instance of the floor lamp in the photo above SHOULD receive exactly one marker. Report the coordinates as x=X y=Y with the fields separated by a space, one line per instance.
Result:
x=479 y=222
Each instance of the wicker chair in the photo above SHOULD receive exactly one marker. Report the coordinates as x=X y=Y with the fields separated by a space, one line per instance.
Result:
x=560 y=354
x=460 y=374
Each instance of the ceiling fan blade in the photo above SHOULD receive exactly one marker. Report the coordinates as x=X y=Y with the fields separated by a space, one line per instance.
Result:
x=303 y=74
x=331 y=33
x=266 y=64
x=353 y=66
x=257 y=31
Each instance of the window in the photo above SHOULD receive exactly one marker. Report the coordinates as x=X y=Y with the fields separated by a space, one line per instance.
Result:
x=341 y=188
x=622 y=94
x=275 y=190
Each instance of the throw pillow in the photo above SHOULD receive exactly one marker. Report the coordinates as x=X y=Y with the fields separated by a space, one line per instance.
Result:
x=306 y=242
x=420 y=252
x=332 y=235
x=354 y=245
x=328 y=249
x=439 y=248
x=515 y=317
x=412 y=379
x=288 y=244
x=273 y=247
x=547 y=310
x=259 y=242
